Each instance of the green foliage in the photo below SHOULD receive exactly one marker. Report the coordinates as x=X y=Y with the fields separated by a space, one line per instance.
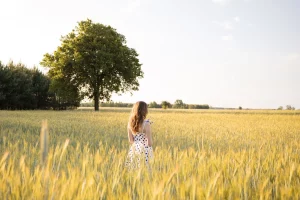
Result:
x=289 y=107
x=178 y=104
x=153 y=104
x=65 y=95
x=40 y=89
x=22 y=88
x=165 y=104
x=280 y=108
x=95 y=59
x=4 y=81
x=198 y=106
x=108 y=104
x=240 y=108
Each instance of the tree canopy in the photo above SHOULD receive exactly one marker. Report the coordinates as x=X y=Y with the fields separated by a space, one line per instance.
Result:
x=165 y=104
x=95 y=59
x=23 y=88
x=179 y=104
x=153 y=104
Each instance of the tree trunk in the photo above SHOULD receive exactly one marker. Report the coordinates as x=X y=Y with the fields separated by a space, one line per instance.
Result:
x=96 y=101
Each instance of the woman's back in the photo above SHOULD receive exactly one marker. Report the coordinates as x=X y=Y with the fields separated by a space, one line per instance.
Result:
x=140 y=148
x=139 y=135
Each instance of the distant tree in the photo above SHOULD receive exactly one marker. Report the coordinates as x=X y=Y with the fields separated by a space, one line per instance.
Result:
x=192 y=106
x=289 y=107
x=198 y=106
x=240 y=108
x=165 y=104
x=204 y=106
x=153 y=104
x=280 y=108
x=116 y=104
x=95 y=57
x=178 y=104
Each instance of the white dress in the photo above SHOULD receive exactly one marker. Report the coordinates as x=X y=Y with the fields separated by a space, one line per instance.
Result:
x=139 y=150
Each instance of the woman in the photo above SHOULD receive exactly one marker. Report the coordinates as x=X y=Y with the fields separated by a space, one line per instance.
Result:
x=139 y=136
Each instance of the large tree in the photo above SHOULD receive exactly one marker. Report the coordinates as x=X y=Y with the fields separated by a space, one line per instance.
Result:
x=95 y=59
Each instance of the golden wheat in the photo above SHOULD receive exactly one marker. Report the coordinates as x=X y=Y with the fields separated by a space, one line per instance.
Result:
x=198 y=155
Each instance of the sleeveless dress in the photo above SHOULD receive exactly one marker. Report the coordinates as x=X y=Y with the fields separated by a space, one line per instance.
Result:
x=139 y=150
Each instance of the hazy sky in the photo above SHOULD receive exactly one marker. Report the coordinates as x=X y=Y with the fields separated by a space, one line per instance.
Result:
x=219 y=52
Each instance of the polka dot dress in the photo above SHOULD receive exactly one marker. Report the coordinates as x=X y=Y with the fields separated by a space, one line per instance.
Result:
x=138 y=151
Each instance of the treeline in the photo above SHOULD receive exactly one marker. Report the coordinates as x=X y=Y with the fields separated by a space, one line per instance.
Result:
x=22 y=88
x=288 y=107
x=108 y=104
x=178 y=104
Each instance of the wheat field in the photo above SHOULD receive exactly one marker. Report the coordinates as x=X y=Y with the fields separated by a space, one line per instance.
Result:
x=204 y=154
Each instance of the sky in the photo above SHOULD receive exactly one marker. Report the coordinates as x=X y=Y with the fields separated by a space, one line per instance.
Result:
x=225 y=53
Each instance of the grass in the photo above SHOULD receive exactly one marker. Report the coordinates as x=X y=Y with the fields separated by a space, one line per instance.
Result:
x=205 y=154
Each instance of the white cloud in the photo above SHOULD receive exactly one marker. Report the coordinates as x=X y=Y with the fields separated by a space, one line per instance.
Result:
x=227 y=37
x=237 y=19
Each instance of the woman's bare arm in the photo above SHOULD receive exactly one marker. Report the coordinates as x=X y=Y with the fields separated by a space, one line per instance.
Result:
x=148 y=134
x=130 y=136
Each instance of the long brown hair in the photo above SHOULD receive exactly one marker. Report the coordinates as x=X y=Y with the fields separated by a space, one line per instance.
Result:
x=138 y=114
